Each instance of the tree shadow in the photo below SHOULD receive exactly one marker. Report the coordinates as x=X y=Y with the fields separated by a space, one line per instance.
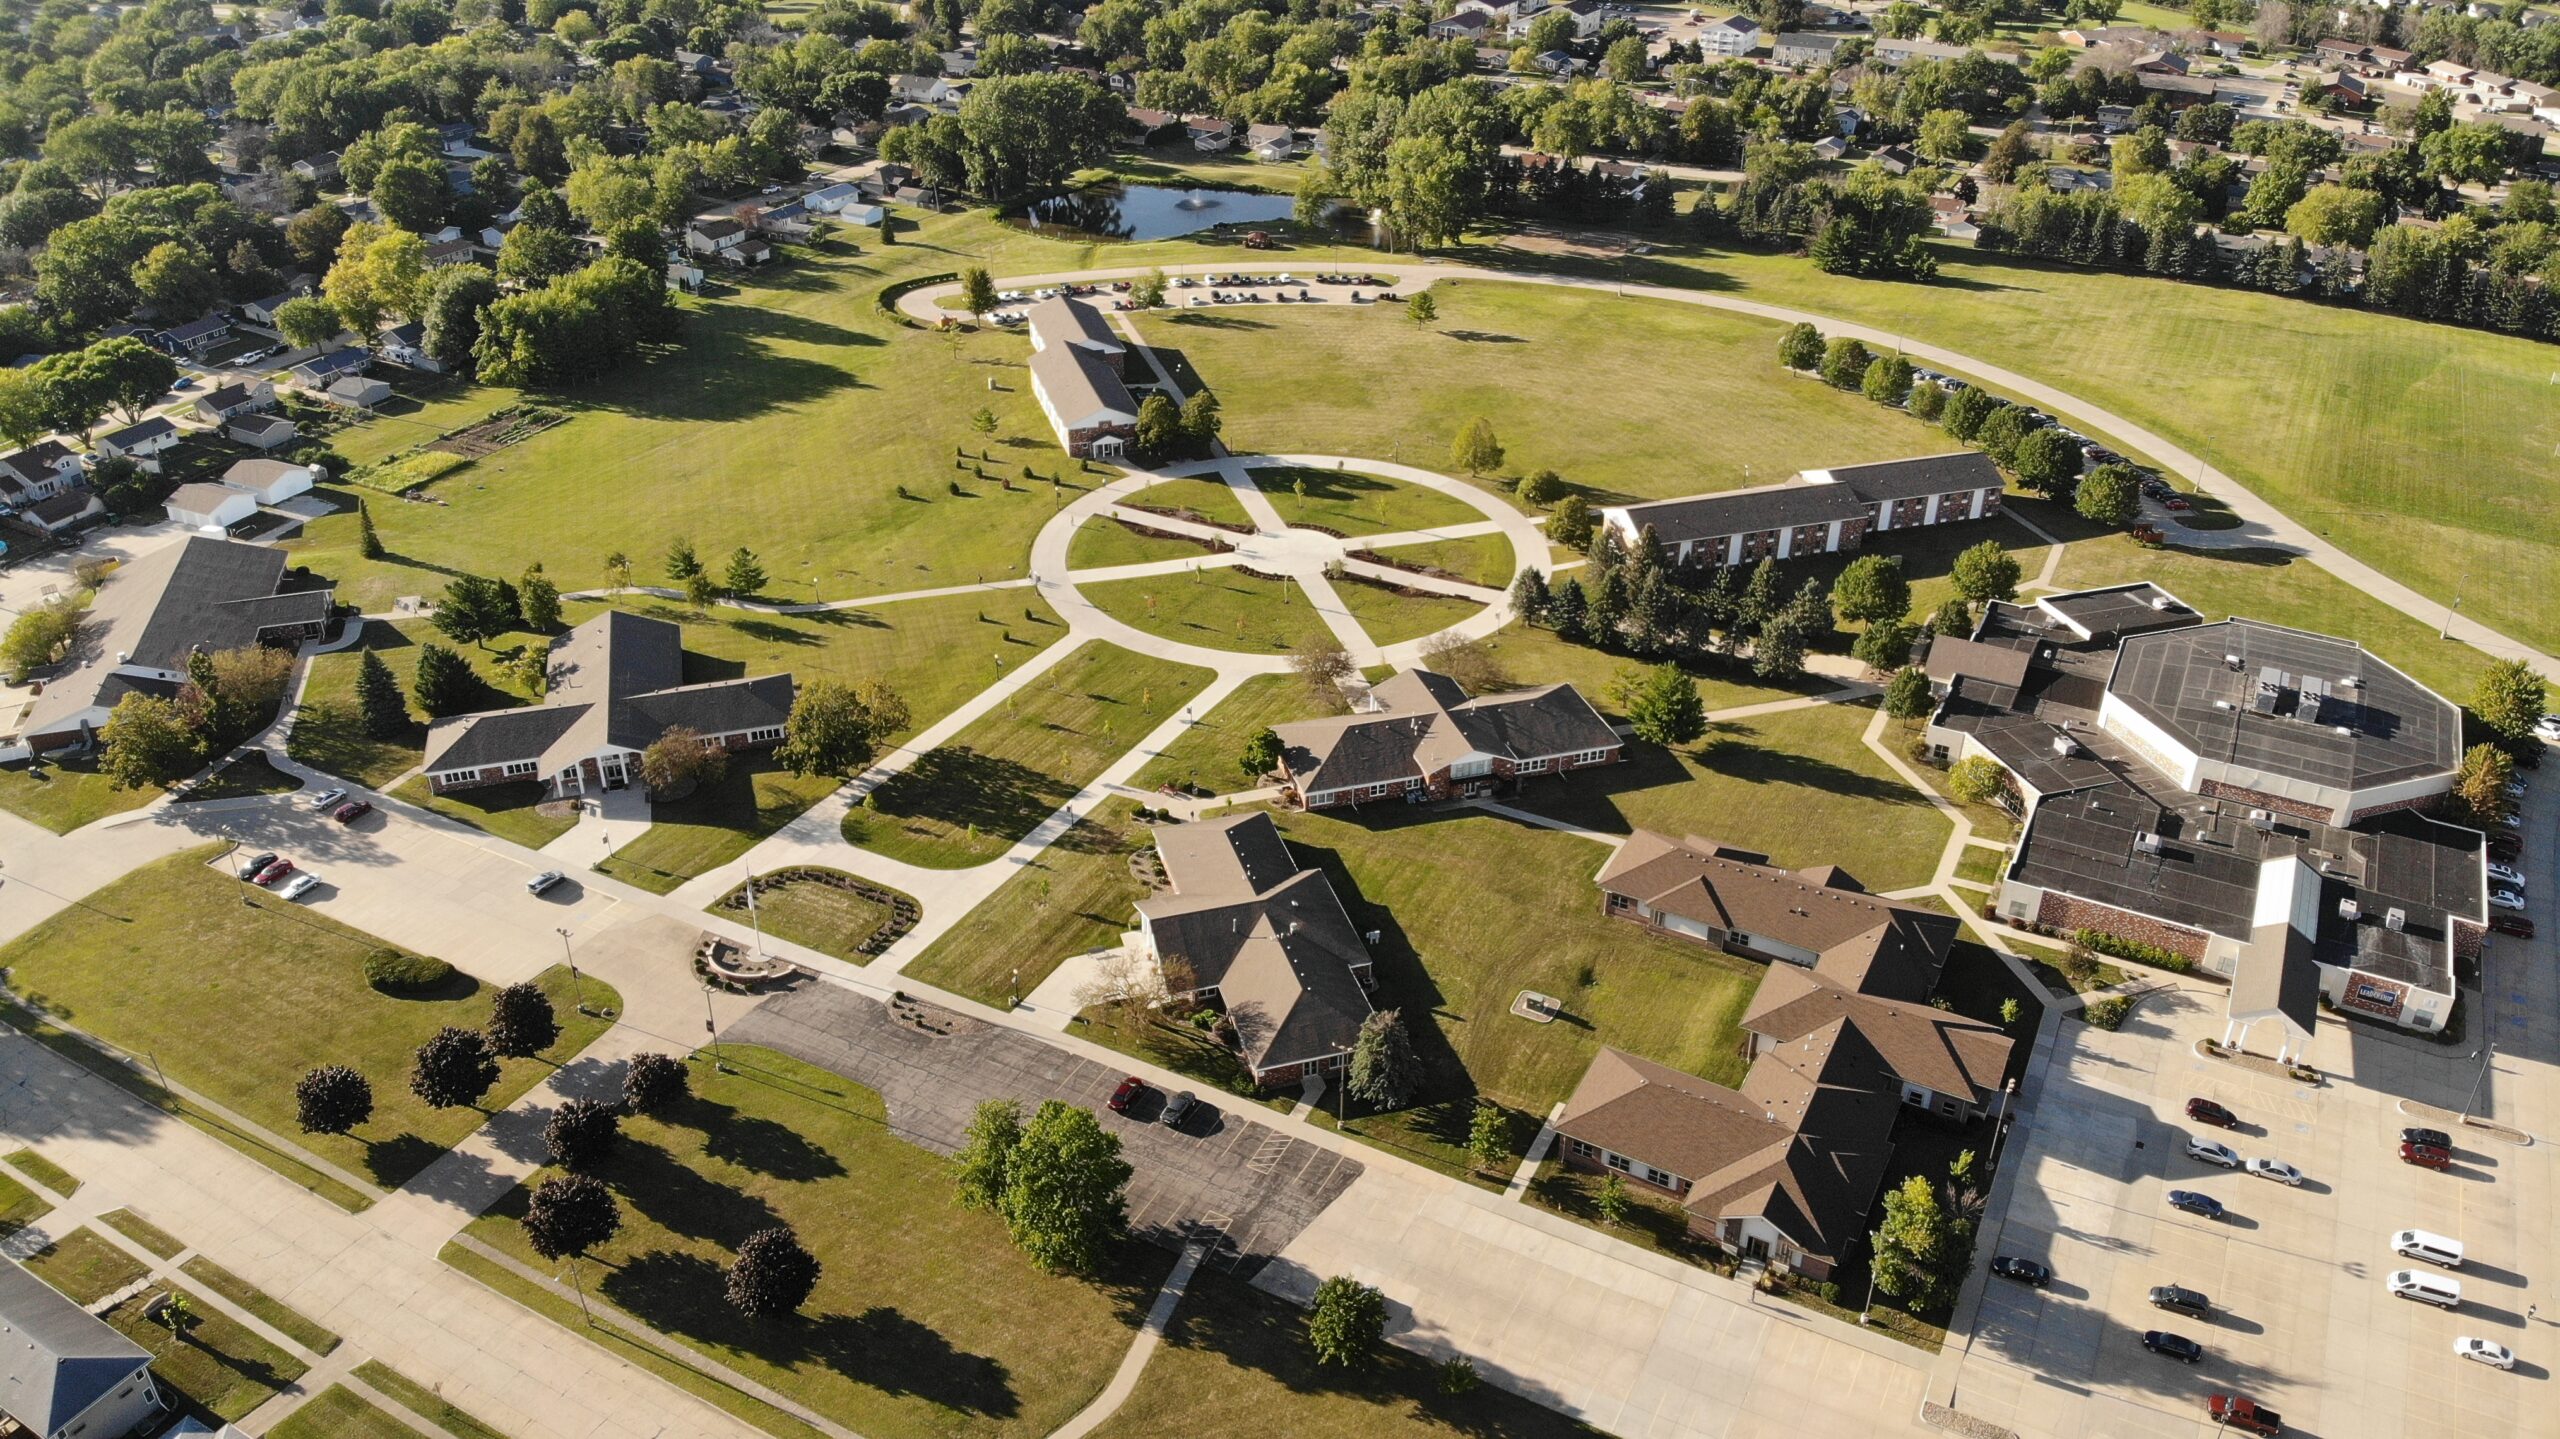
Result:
x=962 y=787
x=759 y=1144
x=680 y=1199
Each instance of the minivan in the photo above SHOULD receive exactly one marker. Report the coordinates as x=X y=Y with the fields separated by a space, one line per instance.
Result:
x=2426 y=1288
x=2433 y=1248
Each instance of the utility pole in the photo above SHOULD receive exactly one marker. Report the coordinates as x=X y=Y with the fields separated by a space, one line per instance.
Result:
x=576 y=989
x=2489 y=1058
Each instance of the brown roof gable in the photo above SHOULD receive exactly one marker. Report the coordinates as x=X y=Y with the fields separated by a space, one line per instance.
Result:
x=1918 y=1044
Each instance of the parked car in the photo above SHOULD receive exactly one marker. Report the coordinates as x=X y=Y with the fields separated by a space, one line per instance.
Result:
x=327 y=800
x=2495 y=1355
x=2277 y=1170
x=2172 y=1346
x=2426 y=1156
x=2514 y=924
x=2205 y=1111
x=1178 y=1108
x=300 y=885
x=543 y=881
x=352 y=811
x=2194 y=1203
x=2508 y=875
x=249 y=868
x=2246 y=1415
x=2548 y=727
x=2176 y=502
x=2212 y=1153
x=1121 y=1098
x=2436 y=1137
x=2025 y=1271
x=2506 y=899
x=2181 y=1300
x=274 y=872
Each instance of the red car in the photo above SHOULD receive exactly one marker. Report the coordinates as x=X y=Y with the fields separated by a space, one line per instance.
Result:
x=2175 y=502
x=2515 y=924
x=1129 y=1089
x=352 y=811
x=2426 y=1156
x=2205 y=1111
x=276 y=871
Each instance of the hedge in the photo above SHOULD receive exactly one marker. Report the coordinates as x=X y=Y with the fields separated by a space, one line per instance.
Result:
x=2118 y=947
x=393 y=972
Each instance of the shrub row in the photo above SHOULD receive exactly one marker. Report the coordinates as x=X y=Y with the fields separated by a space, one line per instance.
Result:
x=2118 y=947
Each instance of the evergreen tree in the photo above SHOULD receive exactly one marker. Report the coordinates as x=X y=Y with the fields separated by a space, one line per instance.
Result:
x=368 y=544
x=1384 y=1071
x=1759 y=599
x=682 y=563
x=1529 y=596
x=444 y=685
x=381 y=707
x=1570 y=614
x=746 y=573
x=1906 y=695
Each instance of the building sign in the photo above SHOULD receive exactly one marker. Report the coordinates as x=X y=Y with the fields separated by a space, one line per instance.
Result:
x=2380 y=997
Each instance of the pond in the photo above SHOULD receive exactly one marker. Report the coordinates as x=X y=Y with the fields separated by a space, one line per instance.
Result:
x=1151 y=212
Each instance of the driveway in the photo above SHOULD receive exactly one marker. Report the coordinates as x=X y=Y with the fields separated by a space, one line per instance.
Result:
x=1245 y=1188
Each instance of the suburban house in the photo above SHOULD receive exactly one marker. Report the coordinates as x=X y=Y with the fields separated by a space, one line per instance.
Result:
x=1242 y=924
x=361 y=392
x=1151 y=125
x=617 y=686
x=1468 y=25
x=60 y=514
x=1588 y=16
x=1805 y=51
x=262 y=432
x=1842 y=1040
x=1270 y=142
x=1731 y=38
x=1077 y=365
x=195 y=338
x=319 y=169
x=1209 y=134
x=201 y=593
x=726 y=241
x=2245 y=795
x=1818 y=512
x=263 y=311
x=64 y=1372
x=406 y=346
x=205 y=505
x=216 y=406
x=269 y=481
x=318 y=372
x=39 y=471
x=1427 y=740
x=1892 y=53
x=142 y=443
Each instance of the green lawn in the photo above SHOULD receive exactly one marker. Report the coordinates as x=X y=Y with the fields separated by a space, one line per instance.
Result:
x=219 y=1371
x=1104 y=541
x=329 y=733
x=716 y=823
x=785 y=421
x=1663 y=399
x=274 y=1312
x=1235 y=1361
x=1391 y=619
x=1473 y=909
x=338 y=1412
x=967 y=801
x=1982 y=866
x=2285 y=590
x=826 y=917
x=1537 y=657
x=1352 y=503
x=86 y=1266
x=143 y=1232
x=44 y=1171
x=1486 y=560
x=19 y=1206
x=243 y=778
x=64 y=795
x=1077 y=896
x=1797 y=785
x=418 y=1399
x=959 y=1336
x=255 y=996
x=512 y=812
x=1207 y=499
x=1209 y=754
x=1221 y=608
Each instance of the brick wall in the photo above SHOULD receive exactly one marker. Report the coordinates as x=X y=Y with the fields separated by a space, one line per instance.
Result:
x=1758 y=544
x=1810 y=540
x=2421 y=802
x=2068 y=914
x=2260 y=799
x=1911 y=511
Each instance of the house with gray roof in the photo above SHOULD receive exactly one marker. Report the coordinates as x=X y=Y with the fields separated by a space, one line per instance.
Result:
x=617 y=685
x=142 y=443
x=1427 y=739
x=200 y=594
x=43 y=469
x=1242 y=925
x=63 y=1370
x=1816 y=512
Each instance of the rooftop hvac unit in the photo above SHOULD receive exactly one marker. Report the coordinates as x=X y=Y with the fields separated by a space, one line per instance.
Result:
x=2263 y=820
x=2063 y=746
x=2234 y=661
x=2146 y=841
x=2222 y=704
x=2395 y=919
x=2353 y=682
x=1374 y=935
x=2163 y=603
x=2349 y=910
x=2342 y=731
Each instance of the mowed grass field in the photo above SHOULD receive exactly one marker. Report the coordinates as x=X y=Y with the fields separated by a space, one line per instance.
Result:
x=1621 y=397
x=1079 y=895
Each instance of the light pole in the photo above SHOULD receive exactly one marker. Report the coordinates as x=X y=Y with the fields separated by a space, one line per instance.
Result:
x=577 y=990
x=2488 y=1058
x=2008 y=1095
x=1017 y=989
x=711 y=1027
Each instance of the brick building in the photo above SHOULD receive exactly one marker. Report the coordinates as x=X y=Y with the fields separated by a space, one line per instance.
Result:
x=1425 y=739
x=1819 y=512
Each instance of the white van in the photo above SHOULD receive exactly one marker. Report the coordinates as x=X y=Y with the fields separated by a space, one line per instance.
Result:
x=2433 y=1248
x=2426 y=1288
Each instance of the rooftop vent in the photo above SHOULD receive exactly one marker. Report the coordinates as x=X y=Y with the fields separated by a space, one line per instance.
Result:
x=2222 y=704
x=2234 y=661
x=2163 y=603
x=2349 y=910
x=2353 y=682
x=2063 y=746
x=2146 y=842
x=2264 y=821
x=2395 y=919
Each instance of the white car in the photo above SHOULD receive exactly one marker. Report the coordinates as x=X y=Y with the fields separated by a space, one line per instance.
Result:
x=2277 y=1170
x=2212 y=1153
x=2507 y=875
x=2496 y=1356
x=2548 y=726
x=2506 y=899
x=325 y=801
x=300 y=885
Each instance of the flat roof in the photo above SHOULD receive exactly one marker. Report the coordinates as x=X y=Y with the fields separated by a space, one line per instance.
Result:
x=2307 y=707
x=2118 y=610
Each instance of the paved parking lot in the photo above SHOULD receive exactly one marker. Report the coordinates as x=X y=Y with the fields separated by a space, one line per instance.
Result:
x=1244 y=1186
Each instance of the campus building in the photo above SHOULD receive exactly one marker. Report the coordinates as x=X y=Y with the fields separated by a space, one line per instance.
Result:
x=1422 y=738
x=2249 y=796
x=1817 y=512
x=1078 y=373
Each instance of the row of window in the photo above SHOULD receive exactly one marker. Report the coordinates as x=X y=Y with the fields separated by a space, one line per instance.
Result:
x=1660 y=1179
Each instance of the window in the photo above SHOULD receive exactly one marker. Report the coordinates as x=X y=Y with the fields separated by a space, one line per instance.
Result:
x=764 y=736
x=1585 y=1148
x=1621 y=1163
x=1659 y=1179
x=1470 y=768
x=1589 y=756
x=1530 y=766
x=526 y=766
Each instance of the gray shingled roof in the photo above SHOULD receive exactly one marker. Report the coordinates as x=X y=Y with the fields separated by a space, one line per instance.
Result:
x=56 y=1359
x=1428 y=722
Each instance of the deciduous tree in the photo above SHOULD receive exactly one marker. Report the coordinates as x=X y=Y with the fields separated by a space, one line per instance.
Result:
x=2510 y=699
x=678 y=762
x=1986 y=572
x=454 y=1069
x=474 y=609
x=1346 y=1323
x=2109 y=495
x=1976 y=779
x=148 y=743
x=332 y=1099
x=1063 y=1189
x=979 y=1170
x=1261 y=755
x=837 y=729
x=522 y=1022
x=1475 y=450
x=773 y=1274
x=582 y=1132
x=1871 y=589
x=569 y=1215
x=655 y=1083
x=1906 y=695
x=1915 y=1245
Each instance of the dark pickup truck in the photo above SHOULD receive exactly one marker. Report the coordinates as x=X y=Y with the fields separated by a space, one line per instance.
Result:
x=2246 y=1415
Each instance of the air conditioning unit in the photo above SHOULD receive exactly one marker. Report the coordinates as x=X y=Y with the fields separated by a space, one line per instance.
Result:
x=2395 y=919
x=2063 y=746
x=2234 y=661
x=2349 y=910
x=2163 y=603
x=2146 y=842
x=2263 y=820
